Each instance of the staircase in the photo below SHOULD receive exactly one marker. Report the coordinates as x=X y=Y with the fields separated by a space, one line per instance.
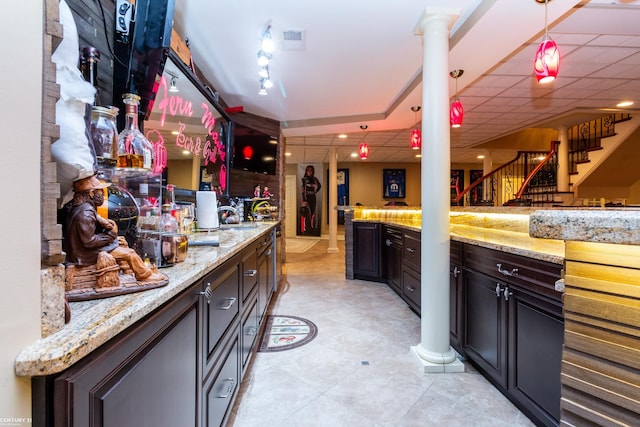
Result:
x=530 y=179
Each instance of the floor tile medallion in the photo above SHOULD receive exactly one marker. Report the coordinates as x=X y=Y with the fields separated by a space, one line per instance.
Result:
x=286 y=332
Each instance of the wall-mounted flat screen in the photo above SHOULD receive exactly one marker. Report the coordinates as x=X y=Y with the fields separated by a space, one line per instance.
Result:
x=253 y=151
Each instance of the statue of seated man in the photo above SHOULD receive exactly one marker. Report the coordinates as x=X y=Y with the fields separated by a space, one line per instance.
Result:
x=88 y=234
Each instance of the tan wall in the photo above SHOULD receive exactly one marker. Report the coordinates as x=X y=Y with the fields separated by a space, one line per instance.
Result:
x=179 y=173
x=20 y=186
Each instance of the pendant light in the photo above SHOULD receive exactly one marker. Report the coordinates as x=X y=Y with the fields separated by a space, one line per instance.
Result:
x=547 y=61
x=364 y=148
x=456 y=113
x=416 y=136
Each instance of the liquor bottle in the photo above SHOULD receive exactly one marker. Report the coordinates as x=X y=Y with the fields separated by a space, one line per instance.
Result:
x=134 y=149
x=89 y=69
x=104 y=135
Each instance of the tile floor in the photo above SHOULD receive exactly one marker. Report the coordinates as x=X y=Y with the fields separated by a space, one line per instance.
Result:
x=358 y=371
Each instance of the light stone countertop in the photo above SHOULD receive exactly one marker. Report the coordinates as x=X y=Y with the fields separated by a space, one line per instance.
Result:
x=95 y=322
x=608 y=225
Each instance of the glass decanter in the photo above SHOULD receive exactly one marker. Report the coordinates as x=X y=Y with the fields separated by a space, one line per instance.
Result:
x=134 y=149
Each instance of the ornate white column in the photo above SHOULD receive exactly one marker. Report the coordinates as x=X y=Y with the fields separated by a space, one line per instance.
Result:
x=563 y=160
x=333 y=200
x=434 y=352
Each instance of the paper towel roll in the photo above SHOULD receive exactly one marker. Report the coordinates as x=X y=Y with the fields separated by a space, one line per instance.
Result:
x=207 y=210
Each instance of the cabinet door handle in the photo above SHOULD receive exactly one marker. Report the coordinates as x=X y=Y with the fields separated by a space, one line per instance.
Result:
x=410 y=288
x=231 y=383
x=411 y=250
x=513 y=272
x=251 y=273
x=208 y=293
x=251 y=331
x=507 y=294
x=387 y=242
x=231 y=301
x=456 y=271
x=268 y=252
x=498 y=290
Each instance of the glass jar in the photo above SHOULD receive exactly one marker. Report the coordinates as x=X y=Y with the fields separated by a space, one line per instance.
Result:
x=134 y=149
x=104 y=136
x=168 y=223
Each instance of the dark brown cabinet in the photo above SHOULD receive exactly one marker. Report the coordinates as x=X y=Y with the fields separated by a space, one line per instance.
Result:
x=366 y=251
x=456 y=297
x=411 y=266
x=392 y=258
x=514 y=327
x=179 y=366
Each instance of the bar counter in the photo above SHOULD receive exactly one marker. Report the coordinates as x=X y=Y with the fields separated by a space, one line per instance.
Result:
x=95 y=322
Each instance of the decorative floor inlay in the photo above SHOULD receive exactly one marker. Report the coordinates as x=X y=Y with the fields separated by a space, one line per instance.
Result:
x=286 y=332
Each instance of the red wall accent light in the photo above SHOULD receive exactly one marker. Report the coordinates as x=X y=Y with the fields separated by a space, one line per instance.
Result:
x=247 y=152
x=364 y=151
x=416 y=139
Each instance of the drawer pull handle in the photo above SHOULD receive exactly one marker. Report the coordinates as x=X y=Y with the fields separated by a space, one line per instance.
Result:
x=498 y=290
x=251 y=331
x=231 y=301
x=513 y=272
x=268 y=252
x=411 y=250
x=410 y=288
x=231 y=383
x=208 y=293
x=251 y=273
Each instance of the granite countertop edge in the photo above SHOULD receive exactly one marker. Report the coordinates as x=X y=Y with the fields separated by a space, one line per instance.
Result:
x=93 y=323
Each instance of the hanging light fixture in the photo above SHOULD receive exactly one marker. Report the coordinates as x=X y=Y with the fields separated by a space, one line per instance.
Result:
x=267 y=41
x=416 y=135
x=456 y=113
x=364 y=148
x=547 y=61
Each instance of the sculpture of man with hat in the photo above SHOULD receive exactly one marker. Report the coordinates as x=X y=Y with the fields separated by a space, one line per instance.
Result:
x=87 y=233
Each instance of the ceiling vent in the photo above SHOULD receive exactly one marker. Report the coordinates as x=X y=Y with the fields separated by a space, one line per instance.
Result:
x=293 y=40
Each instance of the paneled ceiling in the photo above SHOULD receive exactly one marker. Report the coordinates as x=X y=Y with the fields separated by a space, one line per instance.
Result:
x=360 y=63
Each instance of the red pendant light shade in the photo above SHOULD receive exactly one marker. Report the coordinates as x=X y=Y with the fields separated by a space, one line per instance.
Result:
x=456 y=114
x=547 y=61
x=416 y=139
x=364 y=151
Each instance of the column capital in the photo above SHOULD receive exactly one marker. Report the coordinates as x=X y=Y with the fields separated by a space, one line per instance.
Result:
x=436 y=13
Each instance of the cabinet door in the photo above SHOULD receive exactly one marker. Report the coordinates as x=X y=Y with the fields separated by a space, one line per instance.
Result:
x=147 y=377
x=536 y=329
x=392 y=250
x=265 y=281
x=366 y=251
x=485 y=332
x=456 y=313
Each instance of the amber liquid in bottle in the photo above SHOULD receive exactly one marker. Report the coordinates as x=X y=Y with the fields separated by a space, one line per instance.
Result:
x=134 y=149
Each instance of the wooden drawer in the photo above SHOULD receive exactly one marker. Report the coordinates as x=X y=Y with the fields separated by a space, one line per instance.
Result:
x=221 y=389
x=455 y=253
x=393 y=234
x=249 y=271
x=411 y=289
x=249 y=333
x=535 y=275
x=221 y=304
x=412 y=250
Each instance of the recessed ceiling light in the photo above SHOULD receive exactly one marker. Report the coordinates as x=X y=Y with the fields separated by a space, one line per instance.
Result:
x=625 y=104
x=175 y=132
x=342 y=136
x=354 y=154
x=480 y=156
x=418 y=156
x=186 y=152
x=288 y=154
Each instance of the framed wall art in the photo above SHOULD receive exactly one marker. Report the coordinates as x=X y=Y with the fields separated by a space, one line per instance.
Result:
x=393 y=183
